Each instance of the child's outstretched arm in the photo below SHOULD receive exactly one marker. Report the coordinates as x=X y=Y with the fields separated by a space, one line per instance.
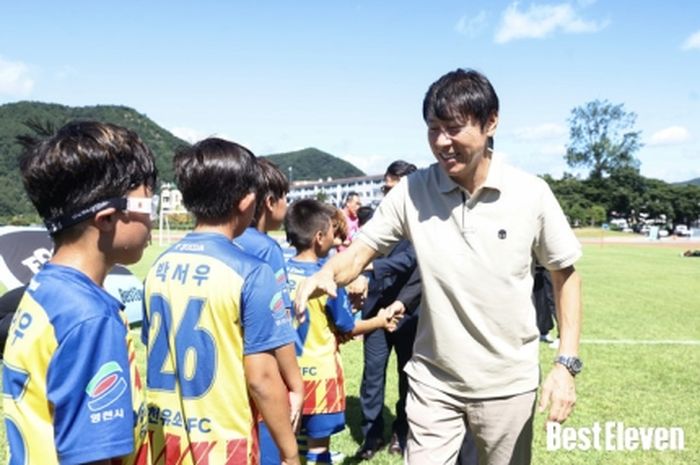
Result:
x=386 y=318
x=268 y=390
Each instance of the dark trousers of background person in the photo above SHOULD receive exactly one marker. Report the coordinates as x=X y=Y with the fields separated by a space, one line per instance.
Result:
x=467 y=455
x=543 y=297
x=377 y=349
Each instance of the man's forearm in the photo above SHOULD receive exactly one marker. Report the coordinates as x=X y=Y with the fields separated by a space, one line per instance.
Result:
x=567 y=296
x=347 y=265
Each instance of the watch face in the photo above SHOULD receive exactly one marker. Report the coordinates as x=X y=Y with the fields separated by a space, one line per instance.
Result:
x=576 y=365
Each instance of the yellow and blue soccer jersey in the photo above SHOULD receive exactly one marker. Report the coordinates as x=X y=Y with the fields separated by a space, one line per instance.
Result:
x=208 y=304
x=318 y=355
x=72 y=393
x=258 y=244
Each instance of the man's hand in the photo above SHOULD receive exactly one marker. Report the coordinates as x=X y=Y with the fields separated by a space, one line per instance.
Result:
x=559 y=391
x=357 y=291
x=318 y=284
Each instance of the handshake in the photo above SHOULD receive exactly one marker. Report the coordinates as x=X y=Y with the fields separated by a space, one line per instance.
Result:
x=391 y=315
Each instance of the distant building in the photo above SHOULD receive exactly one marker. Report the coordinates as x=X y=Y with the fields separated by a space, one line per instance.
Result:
x=334 y=190
x=170 y=199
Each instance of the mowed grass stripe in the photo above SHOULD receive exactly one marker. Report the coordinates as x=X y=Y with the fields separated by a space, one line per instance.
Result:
x=634 y=342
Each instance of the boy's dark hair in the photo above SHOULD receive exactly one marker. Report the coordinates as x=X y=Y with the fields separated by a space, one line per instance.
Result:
x=214 y=175
x=400 y=168
x=364 y=214
x=83 y=163
x=459 y=95
x=273 y=183
x=304 y=219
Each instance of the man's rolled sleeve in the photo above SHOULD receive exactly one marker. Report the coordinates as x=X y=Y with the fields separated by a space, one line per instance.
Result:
x=557 y=246
x=386 y=227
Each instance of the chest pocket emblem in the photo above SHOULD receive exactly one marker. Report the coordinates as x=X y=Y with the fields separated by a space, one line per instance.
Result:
x=502 y=234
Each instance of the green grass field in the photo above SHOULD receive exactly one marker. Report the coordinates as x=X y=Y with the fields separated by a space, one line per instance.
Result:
x=635 y=294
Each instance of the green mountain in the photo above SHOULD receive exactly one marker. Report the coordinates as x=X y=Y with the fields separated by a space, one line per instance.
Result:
x=692 y=182
x=307 y=164
x=310 y=164
x=13 y=116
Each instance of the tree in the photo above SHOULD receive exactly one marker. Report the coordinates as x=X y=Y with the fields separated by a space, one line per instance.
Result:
x=602 y=137
x=596 y=214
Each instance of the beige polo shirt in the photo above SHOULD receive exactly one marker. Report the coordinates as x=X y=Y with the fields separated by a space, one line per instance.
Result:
x=477 y=334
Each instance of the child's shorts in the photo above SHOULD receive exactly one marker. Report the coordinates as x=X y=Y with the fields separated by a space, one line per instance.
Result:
x=322 y=425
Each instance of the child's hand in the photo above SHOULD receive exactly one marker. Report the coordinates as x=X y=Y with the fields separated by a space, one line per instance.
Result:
x=296 y=402
x=342 y=338
x=391 y=315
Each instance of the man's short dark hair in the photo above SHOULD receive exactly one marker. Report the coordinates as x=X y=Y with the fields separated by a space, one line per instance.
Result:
x=214 y=175
x=400 y=168
x=460 y=95
x=350 y=195
x=273 y=183
x=83 y=163
x=364 y=214
x=304 y=219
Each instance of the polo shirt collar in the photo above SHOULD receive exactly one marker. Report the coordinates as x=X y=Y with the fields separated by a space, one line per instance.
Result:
x=494 y=178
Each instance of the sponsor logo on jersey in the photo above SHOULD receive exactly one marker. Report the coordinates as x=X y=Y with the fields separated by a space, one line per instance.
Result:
x=280 y=277
x=277 y=302
x=106 y=386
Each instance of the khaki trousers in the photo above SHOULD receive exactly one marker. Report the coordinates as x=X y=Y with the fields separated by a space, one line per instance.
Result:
x=502 y=427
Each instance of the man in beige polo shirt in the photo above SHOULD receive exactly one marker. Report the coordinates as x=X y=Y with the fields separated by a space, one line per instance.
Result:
x=475 y=223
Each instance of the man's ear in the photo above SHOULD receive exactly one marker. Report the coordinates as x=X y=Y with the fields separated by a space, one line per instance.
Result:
x=105 y=220
x=491 y=124
x=247 y=202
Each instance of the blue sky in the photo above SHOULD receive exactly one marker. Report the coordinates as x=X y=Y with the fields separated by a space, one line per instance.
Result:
x=349 y=77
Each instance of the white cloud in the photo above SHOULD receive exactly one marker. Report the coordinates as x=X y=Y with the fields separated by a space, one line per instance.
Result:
x=541 y=21
x=541 y=132
x=471 y=27
x=692 y=42
x=15 y=78
x=670 y=136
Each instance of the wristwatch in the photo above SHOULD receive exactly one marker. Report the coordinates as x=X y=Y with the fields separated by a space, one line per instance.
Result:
x=573 y=364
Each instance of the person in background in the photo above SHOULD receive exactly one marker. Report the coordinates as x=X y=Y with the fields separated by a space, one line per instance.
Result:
x=351 y=205
x=394 y=283
x=364 y=214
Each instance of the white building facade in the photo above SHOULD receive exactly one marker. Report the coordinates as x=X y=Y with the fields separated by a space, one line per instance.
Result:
x=335 y=190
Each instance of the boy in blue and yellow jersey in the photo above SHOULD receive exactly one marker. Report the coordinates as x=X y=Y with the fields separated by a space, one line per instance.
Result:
x=214 y=317
x=72 y=393
x=270 y=207
x=309 y=228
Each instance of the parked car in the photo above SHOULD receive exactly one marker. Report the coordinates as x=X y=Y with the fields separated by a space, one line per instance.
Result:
x=681 y=230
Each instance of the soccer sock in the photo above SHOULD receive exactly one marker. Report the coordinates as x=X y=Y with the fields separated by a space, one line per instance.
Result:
x=302 y=444
x=324 y=458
